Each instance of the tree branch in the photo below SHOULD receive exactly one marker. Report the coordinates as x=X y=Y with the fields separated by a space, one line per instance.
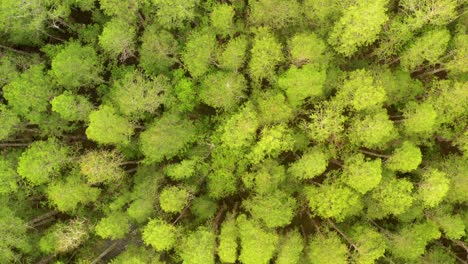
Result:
x=374 y=154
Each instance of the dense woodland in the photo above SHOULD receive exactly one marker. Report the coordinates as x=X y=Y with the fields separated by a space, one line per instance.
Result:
x=233 y=131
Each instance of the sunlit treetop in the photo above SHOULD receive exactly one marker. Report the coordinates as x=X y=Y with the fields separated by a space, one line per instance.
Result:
x=118 y=38
x=76 y=66
x=29 y=94
x=166 y=137
x=362 y=174
x=223 y=90
x=307 y=48
x=327 y=249
x=42 y=161
x=258 y=245
x=405 y=158
x=72 y=107
x=172 y=14
x=222 y=19
x=274 y=13
x=359 y=26
x=426 y=48
x=106 y=126
x=158 y=50
x=266 y=54
x=199 y=52
x=136 y=95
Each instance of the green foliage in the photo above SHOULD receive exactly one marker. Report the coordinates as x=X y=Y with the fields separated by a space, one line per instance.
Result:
x=275 y=209
x=233 y=55
x=266 y=54
x=370 y=242
x=9 y=120
x=158 y=50
x=198 y=247
x=311 y=164
x=14 y=238
x=160 y=235
x=135 y=95
x=405 y=158
x=327 y=122
x=236 y=131
x=258 y=245
x=361 y=174
x=223 y=90
x=361 y=92
x=433 y=188
x=333 y=201
x=327 y=249
x=419 y=118
x=66 y=195
x=8 y=175
x=302 y=83
x=272 y=108
x=198 y=52
x=118 y=38
x=228 y=240
x=63 y=237
x=392 y=196
x=410 y=242
x=42 y=161
x=290 y=248
x=373 y=130
x=222 y=18
x=359 y=26
x=28 y=95
x=102 y=166
x=107 y=127
x=180 y=171
x=273 y=141
x=72 y=107
x=76 y=66
x=173 y=13
x=240 y=129
x=307 y=48
x=166 y=137
x=427 y=48
x=114 y=226
x=136 y=255
x=273 y=13
x=173 y=199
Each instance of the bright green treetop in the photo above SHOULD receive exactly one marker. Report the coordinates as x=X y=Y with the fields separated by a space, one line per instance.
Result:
x=228 y=240
x=158 y=50
x=160 y=235
x=405 y=158
x=76 y=66
x=307 y=48
x=362 y=174
x=198 y=52
x=359 y=26
x=135 y=95
x=301 y=83
x=173 y=199
x=372 y=131
x=369 y=241
x=333 y=201
x=427 y=48
x=42 y=161
x=266 y=54
x=433 y=187
x=166 y=137
x=108 y=127
x=118 y=38
x=102 y=166
x=114 y=226
x=71 y=192
x=234 y=54
x=258 y=245
x=222 y=18
x=198 y=247
x=274 y=209
x=72 y=107
x=327 y=249
x=223 y=90
x=290 y=248
x=310 y=165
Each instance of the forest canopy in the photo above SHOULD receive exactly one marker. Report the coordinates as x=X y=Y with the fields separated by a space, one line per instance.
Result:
x=234 y=131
